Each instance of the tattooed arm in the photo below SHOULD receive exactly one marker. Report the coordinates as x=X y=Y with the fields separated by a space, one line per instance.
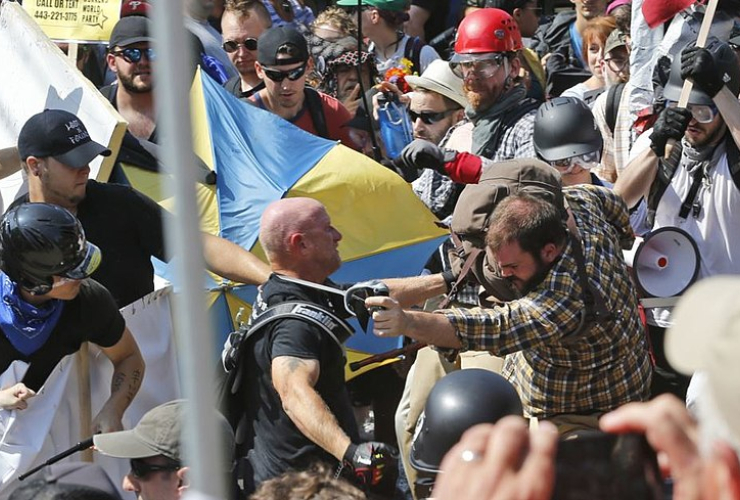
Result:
x=294 y=380
x=128 y=372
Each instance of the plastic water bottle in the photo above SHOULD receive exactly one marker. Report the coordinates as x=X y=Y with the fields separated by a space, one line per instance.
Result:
x=395 y=125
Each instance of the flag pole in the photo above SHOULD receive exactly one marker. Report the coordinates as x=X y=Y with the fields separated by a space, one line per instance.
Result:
x=196 y=352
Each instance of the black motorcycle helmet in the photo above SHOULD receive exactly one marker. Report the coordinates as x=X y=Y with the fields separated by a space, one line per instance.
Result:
x=565 y=127
x=724 y=58
x=457 y=402
x=39 y=241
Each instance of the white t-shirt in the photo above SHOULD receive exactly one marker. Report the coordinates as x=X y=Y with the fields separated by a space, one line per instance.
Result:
x=716 y=230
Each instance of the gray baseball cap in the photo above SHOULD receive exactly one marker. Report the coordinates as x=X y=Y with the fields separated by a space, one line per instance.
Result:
x=157 y=433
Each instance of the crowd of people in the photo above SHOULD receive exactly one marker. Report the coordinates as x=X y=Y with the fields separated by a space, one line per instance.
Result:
x=541 y=148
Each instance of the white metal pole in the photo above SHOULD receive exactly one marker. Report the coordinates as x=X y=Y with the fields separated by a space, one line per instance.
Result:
x=194 y=339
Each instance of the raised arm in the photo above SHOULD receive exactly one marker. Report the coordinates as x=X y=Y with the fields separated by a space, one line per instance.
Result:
x=231 y=261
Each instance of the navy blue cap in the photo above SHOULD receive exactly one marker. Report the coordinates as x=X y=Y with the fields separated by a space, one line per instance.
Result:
x=61 y=135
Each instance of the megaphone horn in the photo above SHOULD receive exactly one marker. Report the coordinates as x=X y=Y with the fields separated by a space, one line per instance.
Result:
x=665 y=263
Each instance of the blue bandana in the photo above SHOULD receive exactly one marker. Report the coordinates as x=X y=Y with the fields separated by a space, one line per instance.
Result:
x=26 y=326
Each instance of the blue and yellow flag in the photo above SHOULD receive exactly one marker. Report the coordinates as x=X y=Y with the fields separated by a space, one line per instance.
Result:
x=260 y=158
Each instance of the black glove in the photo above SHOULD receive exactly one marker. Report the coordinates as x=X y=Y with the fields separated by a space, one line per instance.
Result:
x=671 y=124
x=374 y=465
x=698 y=65
x=420 y=154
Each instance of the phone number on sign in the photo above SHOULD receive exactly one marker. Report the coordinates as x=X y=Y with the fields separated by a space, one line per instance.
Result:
x=55 y=15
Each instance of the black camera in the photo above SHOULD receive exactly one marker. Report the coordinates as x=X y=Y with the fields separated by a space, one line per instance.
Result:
x=602 y=466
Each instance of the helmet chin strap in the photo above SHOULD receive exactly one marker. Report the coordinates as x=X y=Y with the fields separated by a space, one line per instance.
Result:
x=507 y=80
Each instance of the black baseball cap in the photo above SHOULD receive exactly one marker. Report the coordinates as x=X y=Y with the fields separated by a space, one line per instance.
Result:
x=285 y=39
x=130 y=30
x=61 y=135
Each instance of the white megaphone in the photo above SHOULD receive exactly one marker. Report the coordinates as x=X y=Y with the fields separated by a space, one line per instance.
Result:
x=664 y=263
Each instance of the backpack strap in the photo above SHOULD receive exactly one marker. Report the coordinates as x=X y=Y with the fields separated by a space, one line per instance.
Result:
x=337 y=329
x=733 y=159
x=613 y=97
x=316 y=109
x=666 y=169
x=412 y=52
x=595 y=307
x=464 y=271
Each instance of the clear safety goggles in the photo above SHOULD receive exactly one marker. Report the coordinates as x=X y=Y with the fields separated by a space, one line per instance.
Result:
x=477 y=65
x=586 y=161
x=702 y=113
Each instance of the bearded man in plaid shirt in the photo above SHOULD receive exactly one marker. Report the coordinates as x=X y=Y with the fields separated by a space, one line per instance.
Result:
x=567 y=368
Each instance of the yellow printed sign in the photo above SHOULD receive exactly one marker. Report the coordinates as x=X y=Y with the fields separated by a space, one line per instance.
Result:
x=75 y=20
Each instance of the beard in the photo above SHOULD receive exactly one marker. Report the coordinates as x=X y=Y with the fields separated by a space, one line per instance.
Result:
x=128 y=82
x=537 y=278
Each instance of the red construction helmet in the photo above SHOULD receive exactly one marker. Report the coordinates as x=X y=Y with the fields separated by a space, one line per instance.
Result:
x=486 y=30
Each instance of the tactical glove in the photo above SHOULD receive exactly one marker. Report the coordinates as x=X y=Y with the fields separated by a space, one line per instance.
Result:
x=671 y=124
x=374 y=465
x=698 y=65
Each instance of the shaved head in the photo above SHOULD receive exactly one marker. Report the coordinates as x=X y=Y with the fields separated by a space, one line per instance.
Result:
x=283 y=218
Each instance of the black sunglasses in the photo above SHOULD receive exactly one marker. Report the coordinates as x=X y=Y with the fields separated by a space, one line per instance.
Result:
x=232 y=45
x=279 y=76
x=141 y=469
x=135 y=55
x=429 y=118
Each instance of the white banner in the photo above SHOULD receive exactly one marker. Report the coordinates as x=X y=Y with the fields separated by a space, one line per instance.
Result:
x=50 y=424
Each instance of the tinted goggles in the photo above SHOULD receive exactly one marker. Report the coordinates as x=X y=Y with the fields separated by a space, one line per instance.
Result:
x=279 y=76
x=703 y=113
x=134 y=55
x=232 y=45
x=429 y=118
x=586 y=161
x=141 y=469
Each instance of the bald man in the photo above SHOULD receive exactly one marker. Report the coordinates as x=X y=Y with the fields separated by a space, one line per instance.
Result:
x=298 y=408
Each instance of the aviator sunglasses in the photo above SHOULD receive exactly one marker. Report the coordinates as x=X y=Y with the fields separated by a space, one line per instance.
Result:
x=232 y=45
x=135 y=55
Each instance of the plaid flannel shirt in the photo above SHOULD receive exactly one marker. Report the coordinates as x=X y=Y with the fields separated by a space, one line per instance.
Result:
x=554 y=367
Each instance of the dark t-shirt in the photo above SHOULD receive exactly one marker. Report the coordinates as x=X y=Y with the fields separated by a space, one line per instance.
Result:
x=278 y=444
x=127 y=227
x=91 y=316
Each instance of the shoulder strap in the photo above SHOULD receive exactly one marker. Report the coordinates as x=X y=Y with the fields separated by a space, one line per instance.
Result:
x=733 y=159
x=613 y=96
x=666 y=168
x=594 y=304
x=412 y=52
x=316 y=109
x=337 y=329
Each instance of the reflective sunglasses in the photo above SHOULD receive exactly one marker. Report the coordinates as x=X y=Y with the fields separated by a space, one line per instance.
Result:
x=483 y=68
x=702 y=113
x=429 y=118
x=232 y=45
x=134 y=55
x=141 y=469
x=279 y=76
x=586 y=161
